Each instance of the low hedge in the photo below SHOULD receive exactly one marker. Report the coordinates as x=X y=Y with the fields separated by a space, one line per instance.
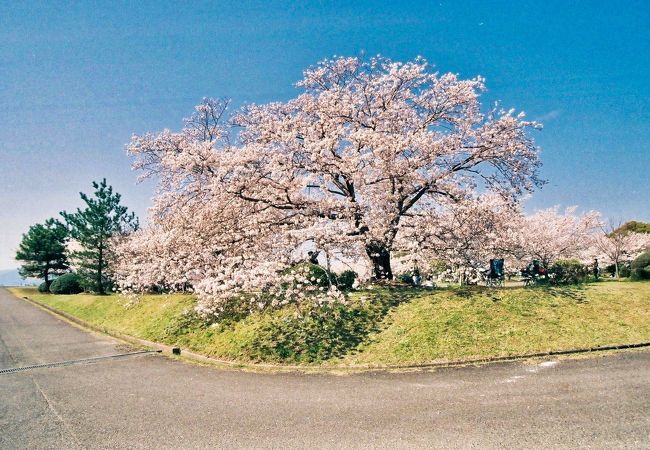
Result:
x=69 y=283
x=640 y=274
x=569 y=271
x=642 y=261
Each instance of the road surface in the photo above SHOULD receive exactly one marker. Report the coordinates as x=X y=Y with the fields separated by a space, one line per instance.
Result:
x=150 y=401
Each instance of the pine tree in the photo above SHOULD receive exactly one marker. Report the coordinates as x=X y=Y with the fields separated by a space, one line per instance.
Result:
x=92 y=228
x=43 y=251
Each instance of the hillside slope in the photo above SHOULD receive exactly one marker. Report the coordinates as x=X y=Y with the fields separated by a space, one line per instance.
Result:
x=388 y=326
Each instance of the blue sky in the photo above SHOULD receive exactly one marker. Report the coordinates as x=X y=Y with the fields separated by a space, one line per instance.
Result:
x=78 y=79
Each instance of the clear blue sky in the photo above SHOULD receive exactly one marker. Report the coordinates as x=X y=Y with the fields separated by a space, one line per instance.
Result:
x=76 y=80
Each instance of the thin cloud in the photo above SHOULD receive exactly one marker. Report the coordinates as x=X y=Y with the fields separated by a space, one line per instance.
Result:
x=551 y=115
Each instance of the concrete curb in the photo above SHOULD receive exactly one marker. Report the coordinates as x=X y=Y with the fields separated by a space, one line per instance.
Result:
x=90 y=327
x=174 y=351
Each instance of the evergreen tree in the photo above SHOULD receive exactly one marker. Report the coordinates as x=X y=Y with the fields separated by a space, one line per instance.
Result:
x=633 y=226
x=43 y=251
x=93 y=228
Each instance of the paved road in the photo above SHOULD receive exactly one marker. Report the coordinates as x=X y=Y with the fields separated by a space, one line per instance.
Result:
x=153 y=402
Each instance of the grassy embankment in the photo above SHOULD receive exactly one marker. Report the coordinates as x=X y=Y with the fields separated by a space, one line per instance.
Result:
x=390 y=326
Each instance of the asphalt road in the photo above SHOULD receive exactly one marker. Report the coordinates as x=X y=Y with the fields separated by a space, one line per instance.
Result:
x=150 y=401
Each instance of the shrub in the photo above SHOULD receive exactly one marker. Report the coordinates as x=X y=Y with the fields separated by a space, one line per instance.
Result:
x=624 y=270
x=568 y=271
x=298 y=284
x=405 y=277
x=43 y=287
x=640 y=274
x=642 y=261
x=346 y=279
x=317 y=275
x=69 y=283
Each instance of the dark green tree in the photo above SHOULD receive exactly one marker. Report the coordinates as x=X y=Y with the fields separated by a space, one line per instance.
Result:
x=42 y=251
x=93 y=227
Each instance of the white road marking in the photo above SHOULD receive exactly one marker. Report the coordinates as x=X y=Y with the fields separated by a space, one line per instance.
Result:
x=548 y=364
x=533 y=369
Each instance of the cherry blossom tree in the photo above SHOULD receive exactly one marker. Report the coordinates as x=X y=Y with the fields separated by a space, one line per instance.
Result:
x=465 y=235
x=356 y=159
x=548 y=235
x=376 y=141
x=614 y=245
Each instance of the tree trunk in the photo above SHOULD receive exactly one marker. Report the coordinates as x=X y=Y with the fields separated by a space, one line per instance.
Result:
x=380 y=257
x=545 y=265
x=616 y=270
x=100 y=263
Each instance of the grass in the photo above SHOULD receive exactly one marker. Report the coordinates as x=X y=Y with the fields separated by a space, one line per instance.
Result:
x=169 y=319
x=457 y=324
x=391 y=326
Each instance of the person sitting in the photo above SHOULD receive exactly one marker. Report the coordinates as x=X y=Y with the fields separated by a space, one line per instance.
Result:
x=417 y=278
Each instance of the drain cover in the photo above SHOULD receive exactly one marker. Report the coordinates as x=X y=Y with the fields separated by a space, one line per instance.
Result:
x=75 y=361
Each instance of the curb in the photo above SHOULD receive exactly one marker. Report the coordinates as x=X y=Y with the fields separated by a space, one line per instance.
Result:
x=62 y=315
x=186 y=354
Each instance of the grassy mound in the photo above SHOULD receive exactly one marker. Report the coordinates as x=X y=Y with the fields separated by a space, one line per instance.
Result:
x=462 y=324
x=386 y=326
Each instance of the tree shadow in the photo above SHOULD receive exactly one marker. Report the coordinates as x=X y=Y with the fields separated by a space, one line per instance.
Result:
x=575 y=292
x=321 y=333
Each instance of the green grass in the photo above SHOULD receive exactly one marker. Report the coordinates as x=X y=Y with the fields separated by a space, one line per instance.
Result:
x=147 y=319
x=460 y=324
x=162 y=318
x=390 y=327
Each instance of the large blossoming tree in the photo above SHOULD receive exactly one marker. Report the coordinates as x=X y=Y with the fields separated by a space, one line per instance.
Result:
x=348 y=164
x=377 y=141
x=549 y=235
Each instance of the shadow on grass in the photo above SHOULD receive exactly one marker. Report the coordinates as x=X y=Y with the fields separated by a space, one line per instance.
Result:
x=467 y=292
x=573 y=291
x=576 y=293
x=311 y=333
x=316 y=333
x=319 y=333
